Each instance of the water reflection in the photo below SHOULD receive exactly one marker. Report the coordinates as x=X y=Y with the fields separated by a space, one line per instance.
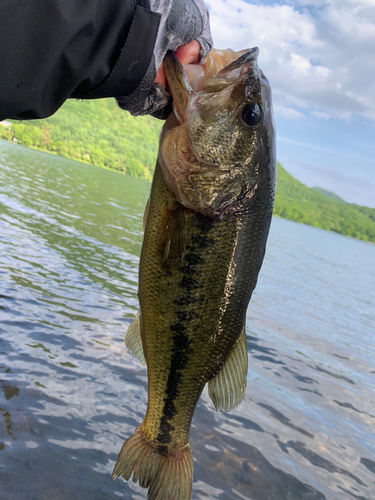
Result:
x=244 y=467
x=317 y=460
x=285 y=420
x=369 y=464
x=69 y=243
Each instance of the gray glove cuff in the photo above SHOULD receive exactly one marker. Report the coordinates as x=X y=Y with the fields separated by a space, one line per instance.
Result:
x=181 y=22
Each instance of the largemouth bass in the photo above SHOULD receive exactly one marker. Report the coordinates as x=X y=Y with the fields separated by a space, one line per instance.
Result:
x=205 y=237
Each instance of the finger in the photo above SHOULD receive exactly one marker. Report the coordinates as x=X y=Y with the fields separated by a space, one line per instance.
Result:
x=186 y=54
x=189 y=53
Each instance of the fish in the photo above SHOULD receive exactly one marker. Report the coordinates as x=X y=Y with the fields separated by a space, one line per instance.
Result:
x=206 y=229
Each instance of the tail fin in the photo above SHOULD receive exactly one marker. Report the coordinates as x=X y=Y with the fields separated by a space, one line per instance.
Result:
x=167 y=477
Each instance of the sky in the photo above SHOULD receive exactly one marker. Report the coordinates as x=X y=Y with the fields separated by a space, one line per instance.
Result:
x=319 y=56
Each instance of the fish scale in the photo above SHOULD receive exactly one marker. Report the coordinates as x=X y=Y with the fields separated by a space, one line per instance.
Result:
x=205 y=239
x=185 y=297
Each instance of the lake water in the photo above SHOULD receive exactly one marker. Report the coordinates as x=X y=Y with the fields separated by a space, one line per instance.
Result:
x=70 y=237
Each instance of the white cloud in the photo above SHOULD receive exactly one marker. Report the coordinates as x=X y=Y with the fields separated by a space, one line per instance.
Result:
x=319 y=114
x=353 y=188
x=318 y=55
x=305 y=145
x=286 y=112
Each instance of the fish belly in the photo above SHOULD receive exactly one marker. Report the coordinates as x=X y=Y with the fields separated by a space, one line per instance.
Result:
x=191 y=315
x=193 y=292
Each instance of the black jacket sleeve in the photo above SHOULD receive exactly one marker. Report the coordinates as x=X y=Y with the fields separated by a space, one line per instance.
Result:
x=51 y=50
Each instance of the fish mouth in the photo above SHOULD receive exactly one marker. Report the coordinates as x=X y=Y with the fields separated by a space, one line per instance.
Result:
x=247 y=61
x=181 y=90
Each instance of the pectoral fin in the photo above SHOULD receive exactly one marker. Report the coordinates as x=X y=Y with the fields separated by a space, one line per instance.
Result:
x=172 y=233
x=227 y=388
x=133 y=339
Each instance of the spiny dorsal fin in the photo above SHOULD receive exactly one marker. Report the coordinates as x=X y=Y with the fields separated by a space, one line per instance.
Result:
x=133 y=339
x=172 y=240
x=227 y=388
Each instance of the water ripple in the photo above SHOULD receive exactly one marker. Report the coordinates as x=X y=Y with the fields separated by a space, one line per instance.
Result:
x=70 y=238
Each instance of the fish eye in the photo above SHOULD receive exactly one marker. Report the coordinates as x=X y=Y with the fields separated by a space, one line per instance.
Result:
x=250 y=114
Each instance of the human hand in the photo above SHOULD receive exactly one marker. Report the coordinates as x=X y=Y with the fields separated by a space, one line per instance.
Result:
x=186 y=54
x=185 y=29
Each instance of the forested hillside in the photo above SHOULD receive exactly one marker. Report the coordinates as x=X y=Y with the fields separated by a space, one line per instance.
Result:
x=98 y=132
x=297 y=202
x=329 y=194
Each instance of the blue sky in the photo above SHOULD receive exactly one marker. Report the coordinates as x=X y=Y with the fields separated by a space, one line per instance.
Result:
x=319 y=58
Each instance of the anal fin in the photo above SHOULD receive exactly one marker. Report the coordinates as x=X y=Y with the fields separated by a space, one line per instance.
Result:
x=227 y=387
x=133 y=339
